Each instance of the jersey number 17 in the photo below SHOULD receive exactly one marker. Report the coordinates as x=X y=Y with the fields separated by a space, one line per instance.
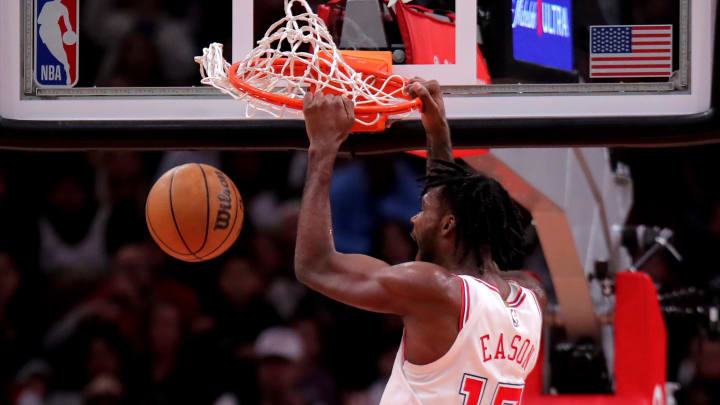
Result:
x=473 y=388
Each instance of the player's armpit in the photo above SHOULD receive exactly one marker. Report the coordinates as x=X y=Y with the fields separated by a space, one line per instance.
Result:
x=371 y=284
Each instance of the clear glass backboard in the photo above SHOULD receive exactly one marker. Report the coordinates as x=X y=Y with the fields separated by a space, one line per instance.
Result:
x=132 y=60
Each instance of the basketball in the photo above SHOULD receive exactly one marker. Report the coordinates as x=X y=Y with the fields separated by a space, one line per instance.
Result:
x=194 y=212
x=69 y=38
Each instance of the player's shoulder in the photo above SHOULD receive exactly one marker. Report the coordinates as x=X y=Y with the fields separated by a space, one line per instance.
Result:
x=425 y=271
x=423 y=278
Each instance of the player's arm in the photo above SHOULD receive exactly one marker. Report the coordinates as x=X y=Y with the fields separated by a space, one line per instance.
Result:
x=528 y=281
x=353 y=279
x=433 y=118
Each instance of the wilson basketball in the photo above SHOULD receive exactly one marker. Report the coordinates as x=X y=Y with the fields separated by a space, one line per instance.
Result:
x=194 y=212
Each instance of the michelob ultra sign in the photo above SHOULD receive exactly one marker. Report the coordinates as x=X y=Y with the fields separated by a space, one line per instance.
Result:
x=56 y=42
x=542 y=32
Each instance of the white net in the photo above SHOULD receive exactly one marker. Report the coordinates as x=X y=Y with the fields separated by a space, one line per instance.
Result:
x=298 y=52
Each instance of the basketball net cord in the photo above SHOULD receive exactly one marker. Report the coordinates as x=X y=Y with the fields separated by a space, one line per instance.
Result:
x=324 y=68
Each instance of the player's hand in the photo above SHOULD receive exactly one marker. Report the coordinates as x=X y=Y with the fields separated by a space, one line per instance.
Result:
x=328 y=119
x=433 y=112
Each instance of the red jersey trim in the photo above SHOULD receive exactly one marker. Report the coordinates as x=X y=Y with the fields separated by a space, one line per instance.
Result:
x=467 y=300
x=520 y=294
x=518 y=300
x=465 y=306
x=461 y=322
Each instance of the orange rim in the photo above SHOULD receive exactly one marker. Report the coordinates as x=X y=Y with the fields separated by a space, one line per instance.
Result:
x=295 y=103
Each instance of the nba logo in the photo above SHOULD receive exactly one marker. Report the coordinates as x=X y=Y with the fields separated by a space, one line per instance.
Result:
x=56 y=42
x=514 y=317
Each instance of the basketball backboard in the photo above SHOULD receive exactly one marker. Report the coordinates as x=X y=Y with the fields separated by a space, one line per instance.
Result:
x=502 y=64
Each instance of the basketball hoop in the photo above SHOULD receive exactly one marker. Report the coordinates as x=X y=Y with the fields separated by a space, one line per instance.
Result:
x=276 y=74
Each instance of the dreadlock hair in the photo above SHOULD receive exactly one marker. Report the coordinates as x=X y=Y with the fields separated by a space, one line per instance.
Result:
x=485 y=215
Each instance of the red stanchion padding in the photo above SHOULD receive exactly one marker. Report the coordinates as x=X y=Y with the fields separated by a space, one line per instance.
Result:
x=640 y=339
x=640 y=351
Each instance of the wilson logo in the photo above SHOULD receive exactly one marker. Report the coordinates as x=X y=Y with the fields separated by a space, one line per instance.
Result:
x=223 y=215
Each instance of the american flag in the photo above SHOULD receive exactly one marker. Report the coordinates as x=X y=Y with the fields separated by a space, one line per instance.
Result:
x=631 y=51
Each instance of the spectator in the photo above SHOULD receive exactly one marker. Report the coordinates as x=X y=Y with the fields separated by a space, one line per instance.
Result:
x=18 y=214
x=72 y=230
x=168 y=374
x=141 y=43
x=240 y=314
x=243 y=312
x=366 y=193
x=700 y=371
x=122 y=183
x=32 y=384
x=394 y=243
x=317 y=385
x=19 y=322
x=279 y=351
x=96 y=352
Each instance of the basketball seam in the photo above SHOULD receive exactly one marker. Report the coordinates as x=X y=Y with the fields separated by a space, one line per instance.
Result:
x=157 y=236
x=207 y=213
x=172 y=211
x=237 y=207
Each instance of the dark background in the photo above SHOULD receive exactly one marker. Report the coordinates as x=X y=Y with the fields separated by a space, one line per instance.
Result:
x=91 y=311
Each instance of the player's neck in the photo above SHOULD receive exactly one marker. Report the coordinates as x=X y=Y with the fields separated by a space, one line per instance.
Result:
x=468 y=264
x=488 y=272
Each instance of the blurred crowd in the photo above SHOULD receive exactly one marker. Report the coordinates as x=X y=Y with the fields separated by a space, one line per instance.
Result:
x=149 y=42
x=93 y=312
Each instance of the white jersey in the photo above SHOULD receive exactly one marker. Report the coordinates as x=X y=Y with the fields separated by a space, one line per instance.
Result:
x=493 y=353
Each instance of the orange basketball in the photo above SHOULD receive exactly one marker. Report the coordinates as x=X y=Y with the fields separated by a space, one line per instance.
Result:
x=194 y=212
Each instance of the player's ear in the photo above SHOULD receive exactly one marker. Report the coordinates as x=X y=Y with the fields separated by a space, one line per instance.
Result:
x=448 y=224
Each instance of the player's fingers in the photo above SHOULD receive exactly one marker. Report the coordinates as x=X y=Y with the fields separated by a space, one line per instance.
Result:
x=432 y=86
x=424 y=95
x=349 y=108
x=411 y=84
x=339 y=104
x=308 y=100
x=330 y=100
x=334 y=101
